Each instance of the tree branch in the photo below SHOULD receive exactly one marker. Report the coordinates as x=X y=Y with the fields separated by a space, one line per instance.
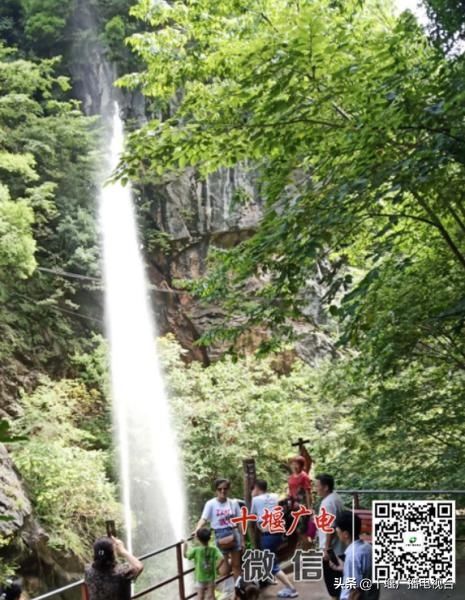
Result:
x=458 y=220
x=445 y=234
x=232 y=126
x=432 y=130
x=403 y=216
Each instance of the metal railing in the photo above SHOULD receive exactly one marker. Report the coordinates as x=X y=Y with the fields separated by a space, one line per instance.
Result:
x=181 y=572
x=179 y=577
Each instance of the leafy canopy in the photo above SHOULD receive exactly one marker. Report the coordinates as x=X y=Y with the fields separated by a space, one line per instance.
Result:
x=398 y=432
x=48 y=164
x=352 y=121
x=67 y=478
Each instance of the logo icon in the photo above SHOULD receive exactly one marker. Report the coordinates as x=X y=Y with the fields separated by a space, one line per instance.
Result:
x=414 y=541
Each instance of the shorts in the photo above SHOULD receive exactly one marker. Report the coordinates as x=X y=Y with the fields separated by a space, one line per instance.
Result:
x=271 y=542
x=204 y=585
x=330 y=577
x=221 y=533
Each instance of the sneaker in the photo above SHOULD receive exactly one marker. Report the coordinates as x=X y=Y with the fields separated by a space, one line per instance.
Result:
x=287 y=593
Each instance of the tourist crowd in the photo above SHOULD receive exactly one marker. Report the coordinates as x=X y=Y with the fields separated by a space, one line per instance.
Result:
x=345 y=555
x=275 y=523
x=224 y=519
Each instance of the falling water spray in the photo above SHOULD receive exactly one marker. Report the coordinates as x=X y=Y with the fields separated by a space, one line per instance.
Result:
x=150 y=471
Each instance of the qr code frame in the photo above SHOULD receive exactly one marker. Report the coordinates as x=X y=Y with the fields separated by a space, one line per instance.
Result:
x=433 y=521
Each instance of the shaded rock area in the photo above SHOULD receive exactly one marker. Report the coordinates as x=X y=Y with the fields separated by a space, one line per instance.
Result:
x=14 y=377
x=193 y=216
x=92 y=74
x=22 y=539
x=14 y=503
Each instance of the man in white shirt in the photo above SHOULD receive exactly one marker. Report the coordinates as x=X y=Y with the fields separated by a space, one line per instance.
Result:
x=262 y=500
x=329 y=542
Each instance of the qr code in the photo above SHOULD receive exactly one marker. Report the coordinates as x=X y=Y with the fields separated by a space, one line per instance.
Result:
x=413 y=540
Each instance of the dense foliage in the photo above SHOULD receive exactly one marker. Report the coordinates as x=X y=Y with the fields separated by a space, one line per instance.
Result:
x=232 y=411
x=353 y=121
x=70 y=29
x=66 y=475
x=47 y=191
x=48 y=166
x=448 y=19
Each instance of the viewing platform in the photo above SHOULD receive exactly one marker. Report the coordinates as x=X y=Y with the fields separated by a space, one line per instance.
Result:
x=314 y=590
x=317 y=590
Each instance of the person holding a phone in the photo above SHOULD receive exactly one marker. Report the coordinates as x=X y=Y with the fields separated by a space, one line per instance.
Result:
x=111 y=529
x=106 y=577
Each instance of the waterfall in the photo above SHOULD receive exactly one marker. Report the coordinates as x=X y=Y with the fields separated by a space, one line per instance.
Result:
x=150 y=471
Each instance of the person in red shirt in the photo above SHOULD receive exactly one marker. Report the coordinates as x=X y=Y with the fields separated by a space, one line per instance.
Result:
x=299 y=488
x=299 y=484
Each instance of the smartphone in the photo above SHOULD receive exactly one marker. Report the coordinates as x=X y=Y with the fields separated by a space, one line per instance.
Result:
x=111 y=529
x=332 y=556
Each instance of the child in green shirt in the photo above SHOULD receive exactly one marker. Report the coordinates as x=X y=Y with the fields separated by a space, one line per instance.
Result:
x=207 y=559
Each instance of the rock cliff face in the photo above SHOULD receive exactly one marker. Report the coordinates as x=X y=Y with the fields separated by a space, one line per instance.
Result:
x=189 y=214
x=194 y=215
x=14 y=502
x=22 y=539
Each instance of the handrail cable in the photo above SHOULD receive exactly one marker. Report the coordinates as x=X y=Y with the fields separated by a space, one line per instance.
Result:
x=80 y=582
x=70 y=274
x=433 y=492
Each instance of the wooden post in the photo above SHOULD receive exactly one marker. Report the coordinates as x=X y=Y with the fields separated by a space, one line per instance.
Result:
x=182 y=591
x=250 y=475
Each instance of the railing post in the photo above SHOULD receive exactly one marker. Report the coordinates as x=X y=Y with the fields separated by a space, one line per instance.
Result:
x=356 y=501
x=248 y=468
x=182 y=591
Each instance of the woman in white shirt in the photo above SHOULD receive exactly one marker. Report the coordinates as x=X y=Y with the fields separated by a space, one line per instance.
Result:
x=218 y=512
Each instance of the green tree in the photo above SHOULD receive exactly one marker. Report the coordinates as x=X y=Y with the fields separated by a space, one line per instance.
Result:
x=17 y=244
x=448 y=18
x=44 y=24
x=48 y=164
x=11 y=22
x=67 y=478
x=235 y=410
x=352 y=122
x=351 y=118
x=402 y=431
